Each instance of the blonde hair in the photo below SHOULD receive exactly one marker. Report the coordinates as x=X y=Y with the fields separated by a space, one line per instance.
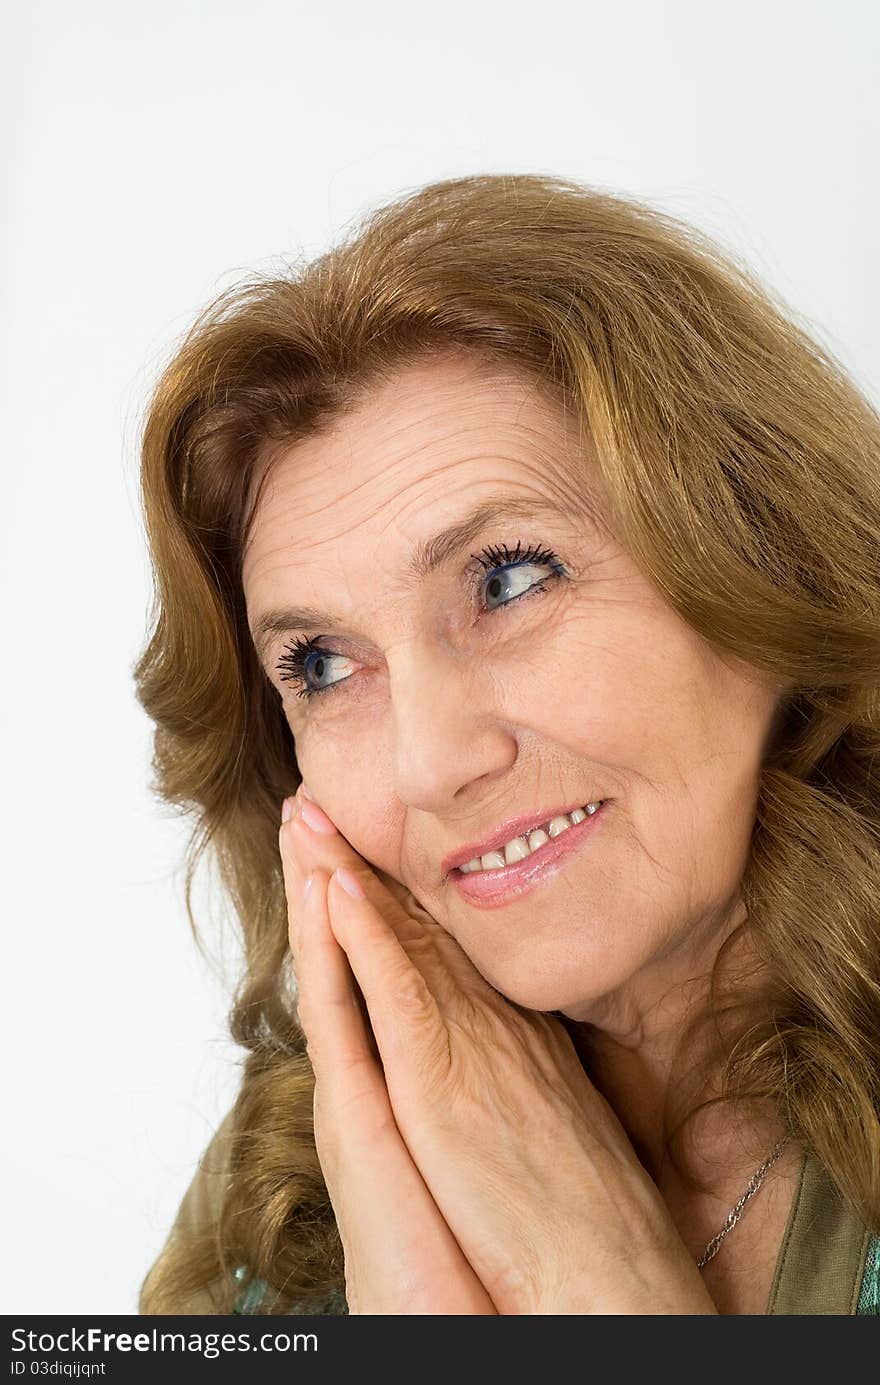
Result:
x=741 y=470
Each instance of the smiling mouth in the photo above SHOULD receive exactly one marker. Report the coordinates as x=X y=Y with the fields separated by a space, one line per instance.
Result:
x=527 y=844
x=499 y=885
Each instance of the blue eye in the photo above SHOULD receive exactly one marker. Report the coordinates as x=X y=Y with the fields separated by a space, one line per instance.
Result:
x=505 y=568
x=513 y=566
x=305 y=656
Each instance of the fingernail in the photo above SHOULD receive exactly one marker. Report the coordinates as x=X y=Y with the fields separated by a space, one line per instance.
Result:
x=316 y=818
x=308 y=884
x=287 y=809
x=349 y=882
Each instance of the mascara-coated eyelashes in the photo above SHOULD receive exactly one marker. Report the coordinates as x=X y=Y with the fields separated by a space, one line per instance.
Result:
x=293 y=666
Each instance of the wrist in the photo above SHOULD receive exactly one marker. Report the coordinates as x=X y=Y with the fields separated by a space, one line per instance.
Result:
x=642 y=1282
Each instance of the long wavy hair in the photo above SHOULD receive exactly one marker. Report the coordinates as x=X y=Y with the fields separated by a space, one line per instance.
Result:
x=740 y=468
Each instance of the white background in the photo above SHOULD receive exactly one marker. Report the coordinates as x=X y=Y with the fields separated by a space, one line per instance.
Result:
x=154 y=154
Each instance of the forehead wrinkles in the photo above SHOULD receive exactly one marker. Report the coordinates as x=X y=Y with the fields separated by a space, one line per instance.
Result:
x=500 y=433
x=375 y=471
x=412 y=442
x=338 y=538
x=457 y=426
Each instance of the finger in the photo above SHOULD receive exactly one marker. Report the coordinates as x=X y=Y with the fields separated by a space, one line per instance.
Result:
x=318 y=842
x=403 y=1010
x=332 y=1013
x=450 y=950
x=432 y=949
x=294 y=881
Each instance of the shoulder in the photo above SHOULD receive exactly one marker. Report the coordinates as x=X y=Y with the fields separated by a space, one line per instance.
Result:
x=828 y=1258
x=255 y=1297
x=869 y=1291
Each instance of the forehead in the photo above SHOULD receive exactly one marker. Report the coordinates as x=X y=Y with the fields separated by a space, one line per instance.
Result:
x=435 y=432
x=352 y=520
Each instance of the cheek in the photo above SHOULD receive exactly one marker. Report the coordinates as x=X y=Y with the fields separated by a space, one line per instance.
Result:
x=359 y=807
x=380 y=849
x=353 y=785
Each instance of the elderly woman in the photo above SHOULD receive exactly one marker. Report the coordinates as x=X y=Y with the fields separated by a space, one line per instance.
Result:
x=517 y=653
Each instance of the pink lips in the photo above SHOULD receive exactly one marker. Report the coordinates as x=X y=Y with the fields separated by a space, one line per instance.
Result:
x=489 y=889
x=506 y=831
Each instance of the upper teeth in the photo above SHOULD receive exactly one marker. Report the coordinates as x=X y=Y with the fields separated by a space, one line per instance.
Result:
x=523 y=846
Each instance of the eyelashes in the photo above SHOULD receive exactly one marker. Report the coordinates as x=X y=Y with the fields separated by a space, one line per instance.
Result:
x=294 y=661
x=293 y=665
x=501 y=556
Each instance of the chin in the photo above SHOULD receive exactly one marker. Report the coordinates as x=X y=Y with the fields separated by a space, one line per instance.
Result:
x=544 y=993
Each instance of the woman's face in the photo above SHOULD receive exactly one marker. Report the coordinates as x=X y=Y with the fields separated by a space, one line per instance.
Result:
x=458 y=699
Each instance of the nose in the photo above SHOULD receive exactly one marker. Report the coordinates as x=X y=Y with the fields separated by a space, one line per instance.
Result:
x=446 y=729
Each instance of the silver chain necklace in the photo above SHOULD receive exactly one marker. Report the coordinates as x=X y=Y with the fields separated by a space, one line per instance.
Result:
x=735 y=1213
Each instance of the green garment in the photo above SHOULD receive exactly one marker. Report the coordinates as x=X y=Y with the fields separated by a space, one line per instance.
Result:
x=829 y=1263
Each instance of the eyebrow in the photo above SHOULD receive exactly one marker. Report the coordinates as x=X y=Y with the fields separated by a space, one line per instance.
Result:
x=426 y=557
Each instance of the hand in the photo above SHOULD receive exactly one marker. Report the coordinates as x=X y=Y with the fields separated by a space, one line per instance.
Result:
x=400 y=1256
x=530 y=1169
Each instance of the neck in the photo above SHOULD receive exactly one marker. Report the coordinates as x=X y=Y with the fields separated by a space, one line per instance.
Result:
x=653 y=1070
